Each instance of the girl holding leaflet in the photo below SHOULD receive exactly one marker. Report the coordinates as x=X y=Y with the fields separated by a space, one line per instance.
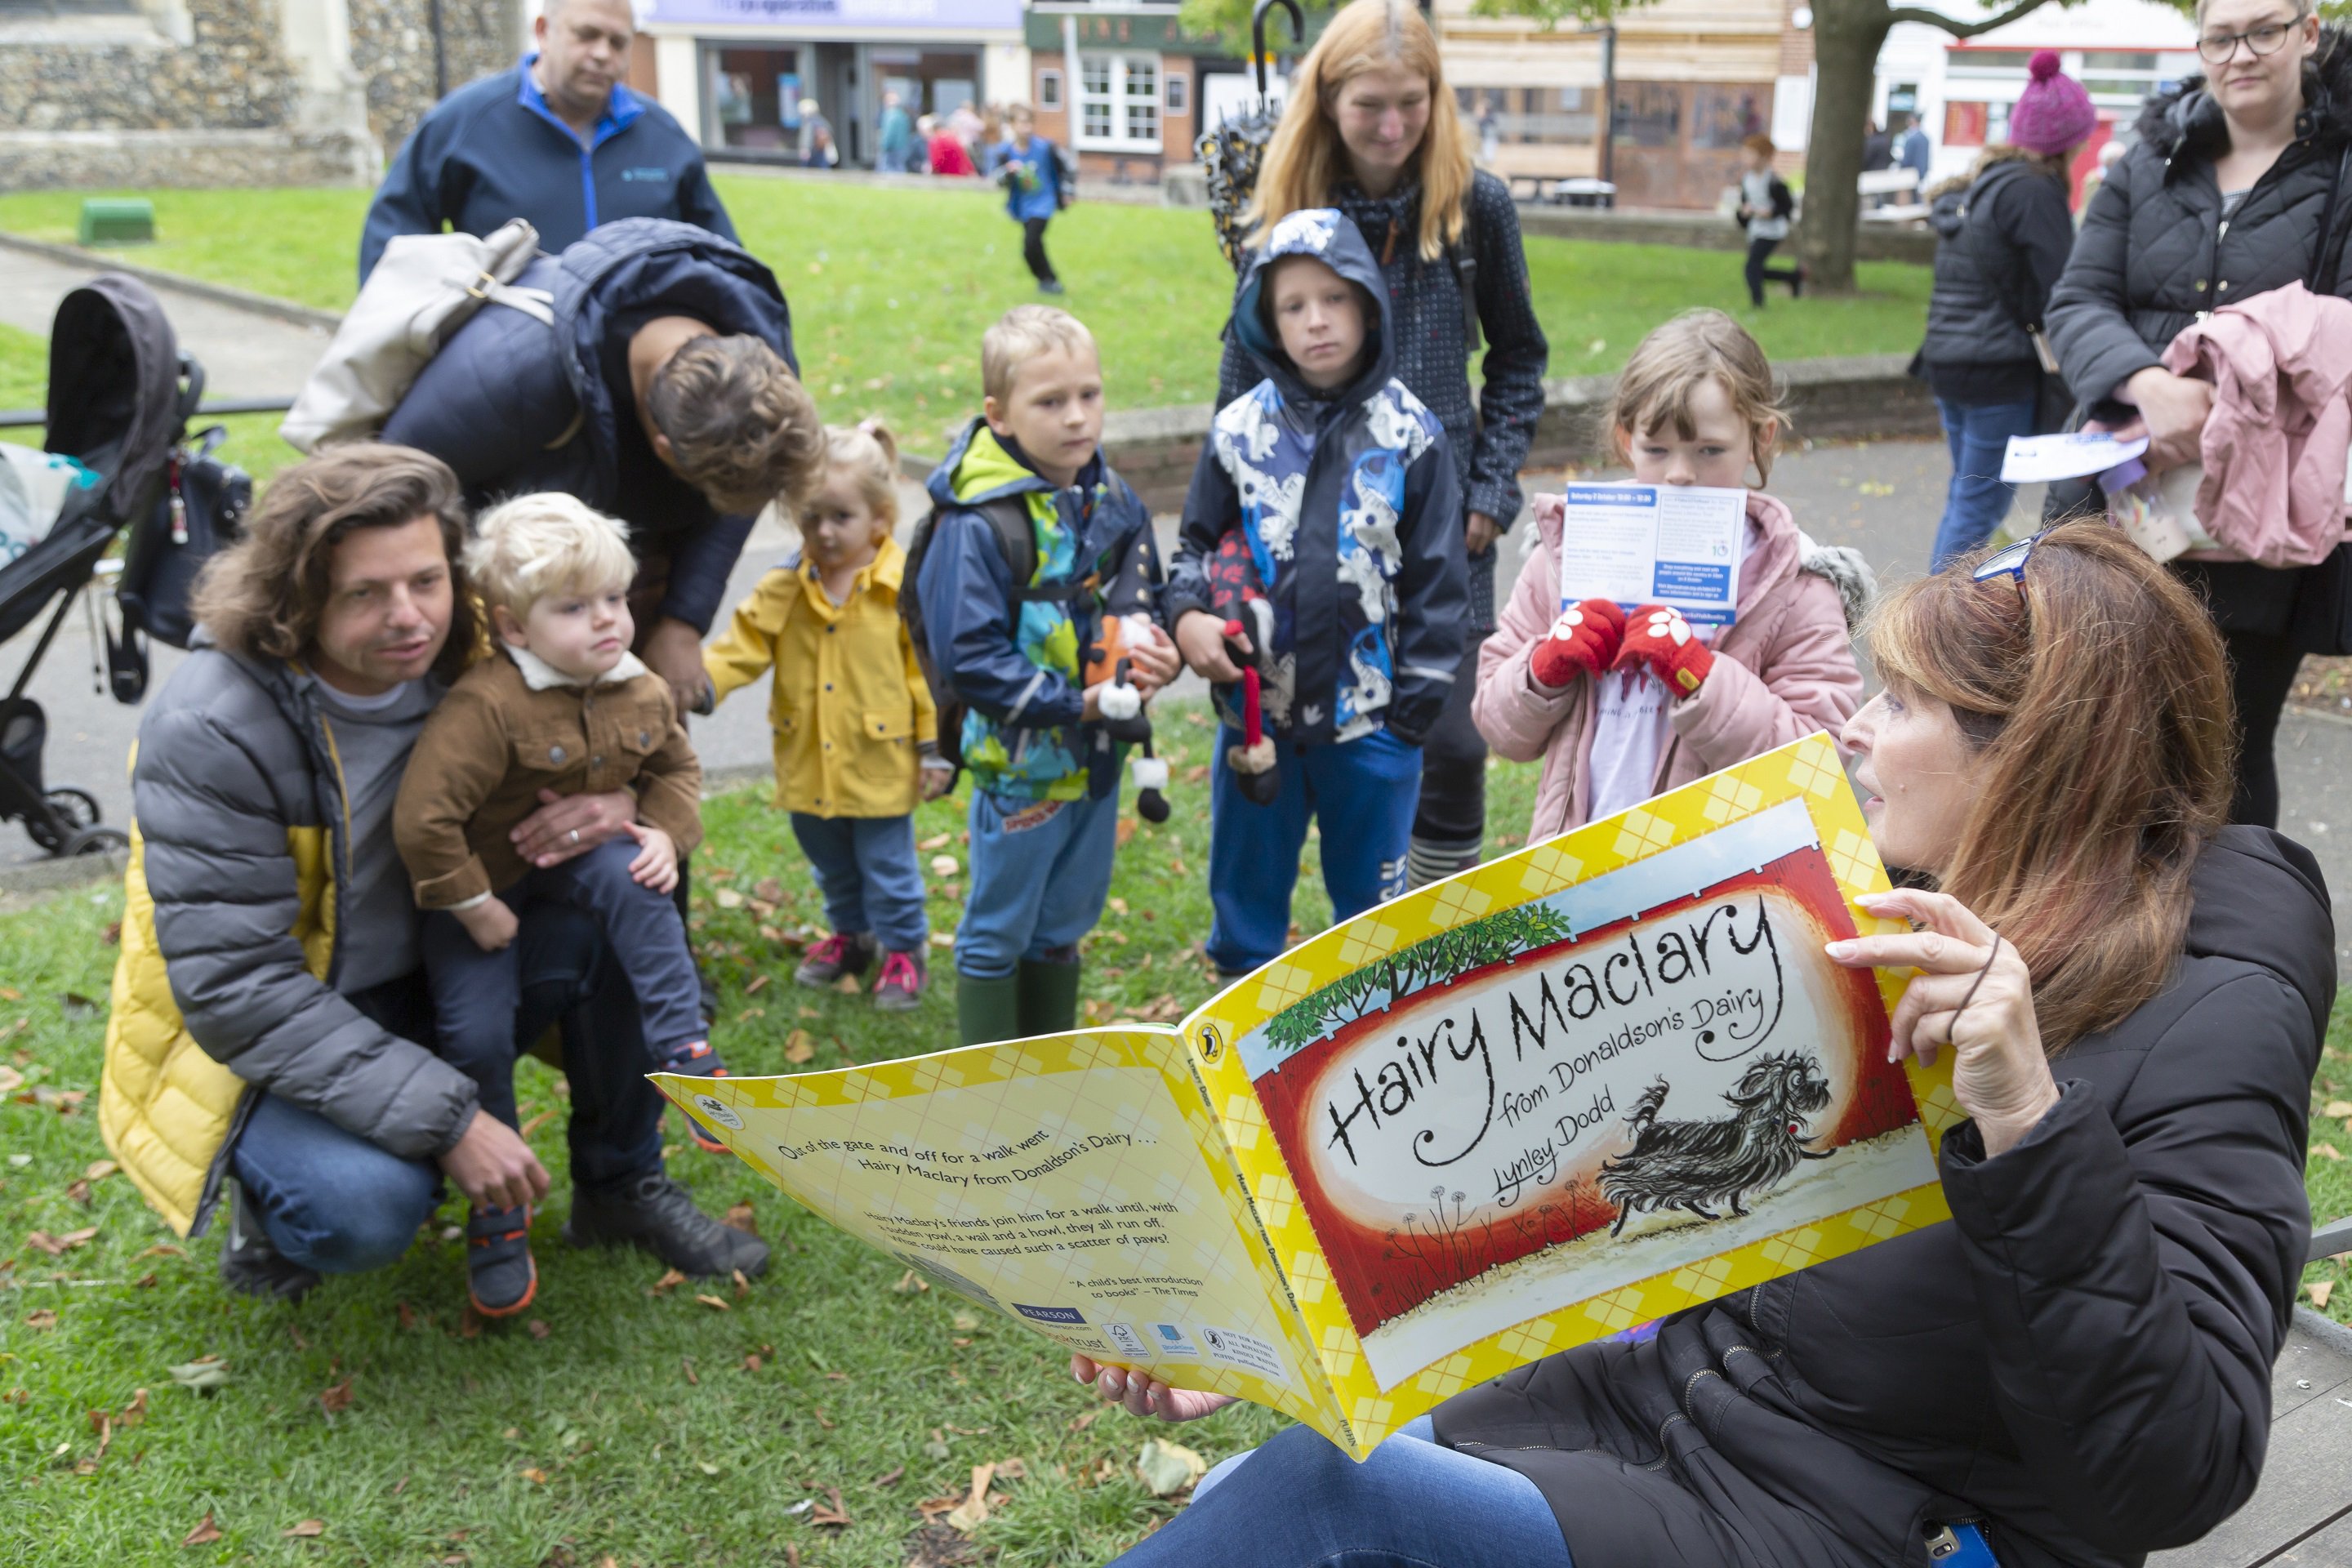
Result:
x=1620 y=706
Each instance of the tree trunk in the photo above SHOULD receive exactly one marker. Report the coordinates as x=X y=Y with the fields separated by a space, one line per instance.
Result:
x=1847 y=34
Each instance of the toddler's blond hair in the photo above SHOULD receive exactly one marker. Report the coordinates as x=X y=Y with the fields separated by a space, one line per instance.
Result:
x=1023 y=333
x=534 y=545
x=868 y=454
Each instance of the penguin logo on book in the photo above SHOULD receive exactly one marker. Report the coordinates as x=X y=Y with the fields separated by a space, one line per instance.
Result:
x=719 y=1110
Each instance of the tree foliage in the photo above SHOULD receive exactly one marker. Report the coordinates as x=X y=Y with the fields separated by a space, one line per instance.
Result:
x=1384 y=981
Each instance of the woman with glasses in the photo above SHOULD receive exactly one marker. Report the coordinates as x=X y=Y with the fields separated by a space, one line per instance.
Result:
x=2221 y=200
x=2076 y=1369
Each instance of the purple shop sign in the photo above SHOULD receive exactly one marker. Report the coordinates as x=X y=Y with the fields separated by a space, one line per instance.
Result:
x=955 y=14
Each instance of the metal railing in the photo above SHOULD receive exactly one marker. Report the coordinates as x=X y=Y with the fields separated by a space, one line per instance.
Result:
x=34 y=418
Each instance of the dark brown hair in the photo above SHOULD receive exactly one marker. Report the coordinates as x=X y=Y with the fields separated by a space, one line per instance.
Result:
x=740 y=423
x=262 y=597
x=2098 y=707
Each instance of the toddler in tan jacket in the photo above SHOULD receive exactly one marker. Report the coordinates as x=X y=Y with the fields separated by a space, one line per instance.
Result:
x=561 y=705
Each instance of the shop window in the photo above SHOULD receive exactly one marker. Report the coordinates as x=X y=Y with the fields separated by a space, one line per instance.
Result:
x=1724 y=117
x=1180 y=94
x=753 y=104
x=1118 y=102
x=1049 y=90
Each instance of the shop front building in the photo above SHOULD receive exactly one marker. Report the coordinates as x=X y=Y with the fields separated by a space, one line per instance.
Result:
x=1123 y=87
x=738 y=72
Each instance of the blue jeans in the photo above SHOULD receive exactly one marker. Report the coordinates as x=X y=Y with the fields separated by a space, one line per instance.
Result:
x=1978 y=434
x=865 y=866
x=1299 y=1502
x=1040 y=872
x=475 y=992
x=333 y=1201
x=1363 y=792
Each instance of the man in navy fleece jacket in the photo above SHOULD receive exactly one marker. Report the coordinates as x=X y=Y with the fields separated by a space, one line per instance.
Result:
x=558 y=139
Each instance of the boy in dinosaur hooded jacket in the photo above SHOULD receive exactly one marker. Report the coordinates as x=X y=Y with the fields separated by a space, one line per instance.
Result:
x=1324 y=520
x=1034 y=652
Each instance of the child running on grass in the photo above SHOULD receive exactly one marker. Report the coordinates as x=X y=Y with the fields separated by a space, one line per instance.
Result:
x=1623 y=707
x=1765 y=207
x=856 y=730
x=1030 y=169
x=1322 y=546
x=1037 y=579
x=561 y=704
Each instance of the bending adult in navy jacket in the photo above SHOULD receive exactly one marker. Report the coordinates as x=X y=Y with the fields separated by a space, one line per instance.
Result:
x=558 y=139
x=667 y=395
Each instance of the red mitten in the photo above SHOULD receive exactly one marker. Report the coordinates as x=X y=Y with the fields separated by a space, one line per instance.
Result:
x=1662 y=640
x=1582 y=642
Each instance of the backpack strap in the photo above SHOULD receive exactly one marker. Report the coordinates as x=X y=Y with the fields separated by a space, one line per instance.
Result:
x=1016 y=538
x=1463 y=256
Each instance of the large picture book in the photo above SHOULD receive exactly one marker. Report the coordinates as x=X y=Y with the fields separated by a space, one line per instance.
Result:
x=1604 y=1078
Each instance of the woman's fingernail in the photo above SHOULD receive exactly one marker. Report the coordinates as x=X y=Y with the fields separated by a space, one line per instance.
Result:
x=1841 y=949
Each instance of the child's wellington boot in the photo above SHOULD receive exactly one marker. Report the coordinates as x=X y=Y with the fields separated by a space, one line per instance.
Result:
x=1048 y=998
x=988 y=1010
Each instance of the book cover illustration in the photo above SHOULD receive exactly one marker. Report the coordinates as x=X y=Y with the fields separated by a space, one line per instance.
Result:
x=1604 y=1078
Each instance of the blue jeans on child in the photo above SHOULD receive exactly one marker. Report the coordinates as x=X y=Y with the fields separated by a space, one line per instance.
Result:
x=475 y=992
x=1299 y=1502
x=1363 y=792
x=1977 y=499
x=1040 y=872
x=866 y=867
x=333 y=1201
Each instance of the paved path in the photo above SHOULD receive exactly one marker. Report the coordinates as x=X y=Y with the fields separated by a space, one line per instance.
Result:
x=244 y=355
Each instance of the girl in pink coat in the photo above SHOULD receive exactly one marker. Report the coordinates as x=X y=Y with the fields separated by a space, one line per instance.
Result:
x=1621 y=707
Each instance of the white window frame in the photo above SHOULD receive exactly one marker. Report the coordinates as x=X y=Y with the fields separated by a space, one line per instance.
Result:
x=1049 y=86
x=1176 y=93
x=1118 y=102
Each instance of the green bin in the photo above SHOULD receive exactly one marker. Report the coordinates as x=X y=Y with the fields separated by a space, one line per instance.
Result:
x=117 y=222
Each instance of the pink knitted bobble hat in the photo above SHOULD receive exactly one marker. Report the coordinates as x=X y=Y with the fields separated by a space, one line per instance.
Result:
x=2054 y=113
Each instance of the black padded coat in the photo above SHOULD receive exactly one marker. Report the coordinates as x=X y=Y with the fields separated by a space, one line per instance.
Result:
x=2080 y=1358
x=2156 y=251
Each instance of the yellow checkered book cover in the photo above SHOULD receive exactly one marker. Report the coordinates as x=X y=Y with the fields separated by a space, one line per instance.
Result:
x=1548 y=1100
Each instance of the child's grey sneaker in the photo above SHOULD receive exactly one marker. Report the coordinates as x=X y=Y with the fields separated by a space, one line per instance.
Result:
x=836 y=955
x=900 y=986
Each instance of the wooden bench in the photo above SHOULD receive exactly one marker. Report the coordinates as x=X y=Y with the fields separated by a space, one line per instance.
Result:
x=1890 y=195
x=2301 y=1514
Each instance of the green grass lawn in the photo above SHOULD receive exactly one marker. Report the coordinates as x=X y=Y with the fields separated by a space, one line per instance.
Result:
x=891 y=289
x=639 y=1426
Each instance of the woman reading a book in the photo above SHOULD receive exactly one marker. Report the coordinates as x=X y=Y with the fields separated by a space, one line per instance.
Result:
x=2076 y=1369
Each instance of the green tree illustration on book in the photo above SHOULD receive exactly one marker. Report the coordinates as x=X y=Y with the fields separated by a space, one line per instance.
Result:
x=1431 y=962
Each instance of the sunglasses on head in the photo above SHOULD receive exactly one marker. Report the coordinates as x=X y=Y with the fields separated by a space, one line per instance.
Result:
x=2009 y=562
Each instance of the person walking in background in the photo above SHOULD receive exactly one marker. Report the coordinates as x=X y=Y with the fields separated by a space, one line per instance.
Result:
x=817 y=148
x=1877 y=149
x=894 y=140
x=558 y=139
x=2220 y=201
x=1912 y=150
x=1372 y=128
x=1030 y=169
x=946 y=155
x=2002 y=235
x=1765 y=207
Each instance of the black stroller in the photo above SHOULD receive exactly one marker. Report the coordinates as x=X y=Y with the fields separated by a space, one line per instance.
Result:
x=116 y=404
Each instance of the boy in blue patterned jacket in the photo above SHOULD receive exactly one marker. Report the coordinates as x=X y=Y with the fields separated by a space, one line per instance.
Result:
x=1322 y=543
x=1034 y=661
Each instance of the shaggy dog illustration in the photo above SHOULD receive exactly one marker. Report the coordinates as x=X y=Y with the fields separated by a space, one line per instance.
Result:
x=1691 y=1164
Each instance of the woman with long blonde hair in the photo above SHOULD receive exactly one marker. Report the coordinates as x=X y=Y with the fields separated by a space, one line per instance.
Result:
x=1372 y=128
x=2076 y=1369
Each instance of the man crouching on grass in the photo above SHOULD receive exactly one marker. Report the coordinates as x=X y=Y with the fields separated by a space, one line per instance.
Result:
x=269 y=1007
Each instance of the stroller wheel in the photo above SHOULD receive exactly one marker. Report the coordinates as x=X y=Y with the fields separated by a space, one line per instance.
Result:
x=74 y=810
x=97 y=841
